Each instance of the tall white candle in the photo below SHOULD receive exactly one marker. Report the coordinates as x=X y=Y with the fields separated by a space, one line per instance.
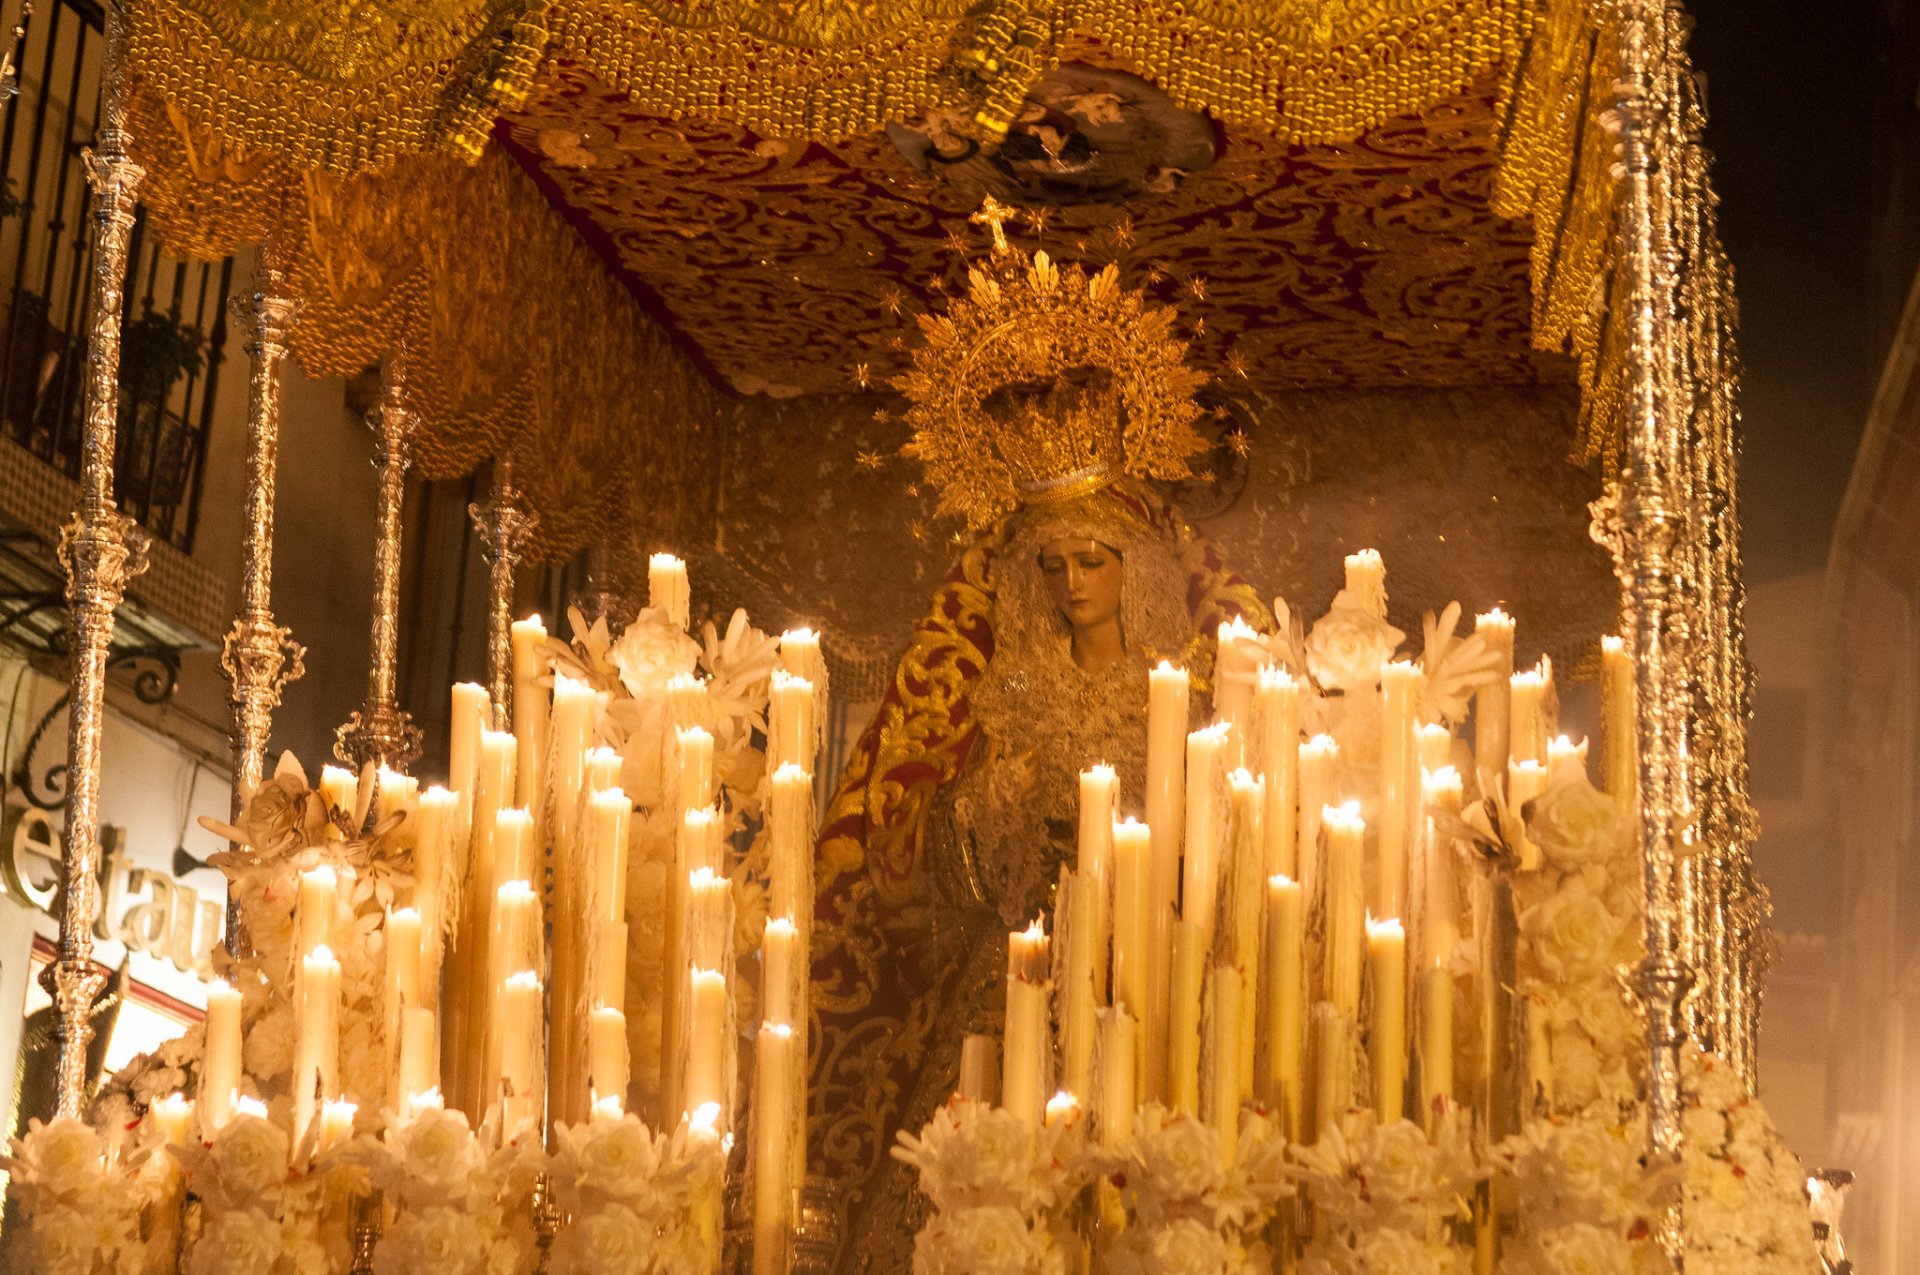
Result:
x=318 y=898
x=1206 y=782
x=1346 y=907
x=1399 y=783
x=607 y=1064
x=172 y=1117
x=1526 y=780
x=1387 y=1039
x=1168 y=692
x=773 y=1213
x=419 y=1055
x=341 y=789
x=694 y=748
x=220 y=1075
x=1566 y=760
x=1118 y=1051
x=1436 y=746
x=403 y=983
x=1285 y=988
x=1491 y=714
x=1367 y=581
x=707 y=1040
x=778 y=981
x=396 y=795
x=610 y=817
x=1023 y=1077
x=790 y=829
x=576 y=709
x=1618 y=696
x=1236 y=665
x=790 y=724
x=668 y=590
x=1183 y=1039
x=433 y=857
x=1436 y=1043
x=1440 y=917
x=521 y=1084
x=979 y=1068
x=1223 y=1080
x=1277 y=718
x=530 y=712
x=1077 y=1025
x=336 y=1123
x=1099 y=795
x=1132 y=928
x=472 y=712
x=801 y=656
x=1317 y=758
x=1527 y=713
x=1332 y=1066
x=316 y=1058
x=1245 y=895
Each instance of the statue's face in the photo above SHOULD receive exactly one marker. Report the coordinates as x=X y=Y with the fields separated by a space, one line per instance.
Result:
x=1083 y=576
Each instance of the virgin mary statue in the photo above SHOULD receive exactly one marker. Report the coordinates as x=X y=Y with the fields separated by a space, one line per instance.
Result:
x=1041 y=403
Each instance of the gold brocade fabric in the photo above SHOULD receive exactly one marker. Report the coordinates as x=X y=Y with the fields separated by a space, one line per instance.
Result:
x=517 y=341
x=900 y=972
x=338 y=86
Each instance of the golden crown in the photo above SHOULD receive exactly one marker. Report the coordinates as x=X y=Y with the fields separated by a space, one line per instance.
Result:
x=1042 y=384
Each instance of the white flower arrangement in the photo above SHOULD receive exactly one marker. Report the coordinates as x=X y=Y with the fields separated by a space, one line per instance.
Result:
x=1745 y=1204
x=458 y=1208
x=261 y=1217
x=1188 y=1213
x=997 y=1184
x=1587 y=1199
x=1387 y=1197
x=640 y=1202
x=80 y=1200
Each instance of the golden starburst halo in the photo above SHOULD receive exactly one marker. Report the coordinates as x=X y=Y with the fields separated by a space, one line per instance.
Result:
x=1027 y=325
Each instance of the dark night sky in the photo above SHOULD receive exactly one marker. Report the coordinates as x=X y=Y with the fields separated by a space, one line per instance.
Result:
x=1791 y=95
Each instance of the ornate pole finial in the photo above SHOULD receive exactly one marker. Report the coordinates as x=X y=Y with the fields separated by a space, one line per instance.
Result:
x=505 y=526
x=259 y=656
x=605 y=595
x=100 y=550
x=380 y=732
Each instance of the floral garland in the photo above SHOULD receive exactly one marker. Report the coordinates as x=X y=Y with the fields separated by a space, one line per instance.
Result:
x=1188 y=1213
x=1587 y=1198
x=259 y=1216
x=457 y=1207
x=998 y=1185
x=1745 y=1205
x=640 y=1201
x=1387 y=1197
x=81 y=1201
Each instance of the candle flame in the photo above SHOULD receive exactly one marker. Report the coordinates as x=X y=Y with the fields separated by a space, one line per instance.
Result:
x=440 y=795
x=321 y=875
x=1272 y=676
x=408 y=914
x=782 y=925
x=782 y=1030
x=664 y=562
x=1390 y=928
x=705 y=1117
x=515 y=891
x=1612 y=644
x=1281 y=881
x=245 y=1106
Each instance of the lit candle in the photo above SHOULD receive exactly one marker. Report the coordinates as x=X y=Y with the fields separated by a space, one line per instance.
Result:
x=694 y=748
x=1118 y=1051
x=688 y=700
x=1244 y=897
x=470 y=989
x=1183 y=1040
x=172 y=1117
x=220 y=1075
x=1236 y=667
x=576 y=708
x=1099 y=794
x=336 y=1123
x=777 y=971
x=403 y=981
x=513 y=847
x=801 y=656
x=706 y=1070
x=668 y=590
x=1063 y=1121
x=1491 y=714
x=1346 y=907
x=1206 y=776
x=1317 y=758
x=1077 y=1017
x=1617 y=700
x=979 y=1069
x=1285 y=989
x=472 y=712
x=341 y=789
x=772 y=1164
x=316 y=1056
x=1332 y=1067
x=1029 y=955
x=516 y=931
x=1526 y=780
x=1527 y=713
x=1436 y=746
x=1566 y=760
x=1387 y=1039
x=1367 y=581
x=790 y=830
x=1023 y=1079
x=530 y=712
x=608 y=1109
x=419 y=1055
x=1223 y=1087
x=519 y=1082
x=790 y=724
x=1277 y=717
x=1168 y=692
x=397 y=794
x=603 y=769
x=610 y=817
x=607 y=1064
x=1132 y=930
x=709 y=918
x=1399 y=782
x=433 y=856
x=1436 y=1043
x=319 y=895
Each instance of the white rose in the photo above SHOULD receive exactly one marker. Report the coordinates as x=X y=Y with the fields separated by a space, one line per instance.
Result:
x=239 y=1242
x=1586 y=1249
x=1572 y=933
x=1399 y=1165
x=1576 y=1070
x=1591 y=1161
x=1574 y=824
x=1347 y=647
x=1189 y=1247
x=1182 y=1158
x=995 y=1240
x=612 y=1240
x=990 y=1157
x=250 y=1156
x=62 y=1157
x=436 y=1148
x=1390 y=1251
x=650 y=652
x=268 y=1044
x=619 y=1156
x=72 y=1241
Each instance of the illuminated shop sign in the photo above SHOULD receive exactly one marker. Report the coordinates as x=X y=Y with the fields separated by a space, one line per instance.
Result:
x=148 y=911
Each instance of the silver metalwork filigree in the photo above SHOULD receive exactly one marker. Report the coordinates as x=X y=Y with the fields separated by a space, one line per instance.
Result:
x=505 y=525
